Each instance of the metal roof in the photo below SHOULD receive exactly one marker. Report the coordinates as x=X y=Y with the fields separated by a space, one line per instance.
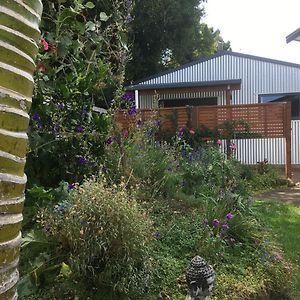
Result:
x=183 y=84
x=294 y=36
x=222 y=53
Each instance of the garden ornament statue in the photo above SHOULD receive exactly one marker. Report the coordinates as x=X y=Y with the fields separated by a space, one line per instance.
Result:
x=200 y=278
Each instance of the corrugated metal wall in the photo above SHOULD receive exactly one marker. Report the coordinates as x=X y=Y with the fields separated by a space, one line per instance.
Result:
x=258 y=76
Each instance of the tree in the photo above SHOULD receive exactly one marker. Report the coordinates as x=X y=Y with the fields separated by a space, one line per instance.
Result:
x=19 y=38
x=167 y=34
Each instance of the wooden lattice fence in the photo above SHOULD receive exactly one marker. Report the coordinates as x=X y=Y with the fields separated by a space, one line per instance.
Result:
x=269 y=120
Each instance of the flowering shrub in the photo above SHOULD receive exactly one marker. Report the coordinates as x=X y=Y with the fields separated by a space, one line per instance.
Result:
x=80 y=65
x=106 y=235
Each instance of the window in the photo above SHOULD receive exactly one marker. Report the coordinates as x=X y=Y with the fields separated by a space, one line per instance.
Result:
x=294 y=98
x=191 y=102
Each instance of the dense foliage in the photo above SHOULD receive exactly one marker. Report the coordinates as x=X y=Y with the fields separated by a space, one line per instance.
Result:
x=106 y=235
x=80 y=65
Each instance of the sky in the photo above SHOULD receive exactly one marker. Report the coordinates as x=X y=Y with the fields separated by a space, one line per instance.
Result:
x=257 y=27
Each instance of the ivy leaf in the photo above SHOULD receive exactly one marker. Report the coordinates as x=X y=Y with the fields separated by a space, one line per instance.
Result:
x=90 y=26
x=104 y=17
x=90 y=5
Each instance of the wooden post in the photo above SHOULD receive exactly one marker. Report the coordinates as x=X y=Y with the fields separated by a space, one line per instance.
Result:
x=287 y=133
x=228 y=96
x=136 y=97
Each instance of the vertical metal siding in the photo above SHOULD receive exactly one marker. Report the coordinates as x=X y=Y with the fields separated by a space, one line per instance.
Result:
x=296 y=142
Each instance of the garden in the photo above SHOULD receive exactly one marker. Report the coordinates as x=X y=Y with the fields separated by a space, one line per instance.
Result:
x=118 y=213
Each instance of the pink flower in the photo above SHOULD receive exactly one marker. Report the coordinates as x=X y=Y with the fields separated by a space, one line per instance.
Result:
x=125 y=133
x=45 y=44
x=54 y=50
x=219 y=142
x=41 y=67
x=192 y=131
x=232 y=147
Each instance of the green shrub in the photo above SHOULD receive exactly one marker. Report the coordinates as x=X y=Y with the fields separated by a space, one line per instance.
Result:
x=261 y=177
x=106 y=235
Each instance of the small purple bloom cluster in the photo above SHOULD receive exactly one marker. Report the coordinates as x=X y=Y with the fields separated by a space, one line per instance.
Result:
x=83 y=160
x=79 y=129
x=128 y=97
x=109 y=140
x=132 y=110
x=217 y=224
x=71 y=186
x=35 y=117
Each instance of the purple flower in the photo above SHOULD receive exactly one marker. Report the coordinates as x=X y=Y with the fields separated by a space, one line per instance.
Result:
x=205 y=222
x=83 y=161
x=83 y=222
x=139 y=122
x=84 y=112
x=131 y=110
x=109 y=140
x=225 y=227
x=157 y=122
x=229 y=216
x=129 y=19
x=157 y=235
x=60 y=105
x=35 y=117
x=79 y=128
x=71 y=186
x=39 y=125
x=128 y=97
x=216 y=223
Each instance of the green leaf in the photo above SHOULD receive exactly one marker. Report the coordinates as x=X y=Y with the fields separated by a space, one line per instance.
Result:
x=90 y=5
x=65 y=270
x=90 y=26
x=26 y=286
x=34 y=237
x=104 y=17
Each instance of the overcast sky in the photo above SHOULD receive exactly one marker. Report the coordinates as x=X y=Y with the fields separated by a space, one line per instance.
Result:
x=257 y=27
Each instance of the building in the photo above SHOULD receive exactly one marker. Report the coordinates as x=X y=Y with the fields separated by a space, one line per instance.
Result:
x=294 y=36
x=235 y=78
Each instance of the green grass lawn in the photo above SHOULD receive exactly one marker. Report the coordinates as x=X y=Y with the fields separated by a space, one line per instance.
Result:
x=284 y=221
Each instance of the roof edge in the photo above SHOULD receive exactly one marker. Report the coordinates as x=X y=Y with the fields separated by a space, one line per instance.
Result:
x=218 y=54
x=292 y=36
x=183 y=84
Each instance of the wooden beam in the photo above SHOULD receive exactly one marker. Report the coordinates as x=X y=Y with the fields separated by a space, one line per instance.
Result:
x=228 y=97
x=214 y=88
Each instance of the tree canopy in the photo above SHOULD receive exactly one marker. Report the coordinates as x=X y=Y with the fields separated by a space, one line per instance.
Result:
x=169 y=33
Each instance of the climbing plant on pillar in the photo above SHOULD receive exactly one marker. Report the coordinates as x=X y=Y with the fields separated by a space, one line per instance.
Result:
x=19 y=38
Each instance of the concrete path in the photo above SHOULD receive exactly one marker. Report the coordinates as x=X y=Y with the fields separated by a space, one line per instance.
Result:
x=290 y=195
